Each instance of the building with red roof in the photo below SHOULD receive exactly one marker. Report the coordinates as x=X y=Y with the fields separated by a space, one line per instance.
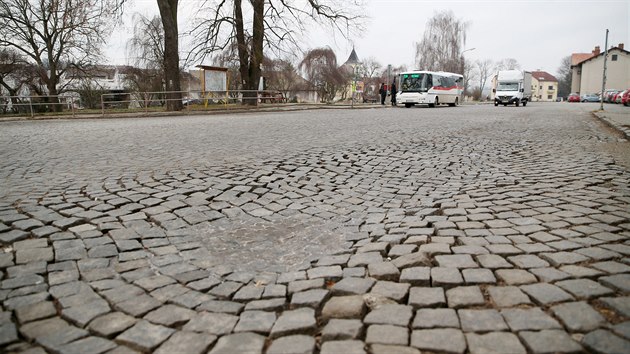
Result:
x=544 y=86
x=588 y=69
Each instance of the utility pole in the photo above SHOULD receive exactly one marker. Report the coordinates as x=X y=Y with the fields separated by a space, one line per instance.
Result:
x=601 y=97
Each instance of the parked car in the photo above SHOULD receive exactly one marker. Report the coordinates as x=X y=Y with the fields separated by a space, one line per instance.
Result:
x=590 y=98
x=608 y=95
x=625 y=99
x=574 y=97
x=619 y=95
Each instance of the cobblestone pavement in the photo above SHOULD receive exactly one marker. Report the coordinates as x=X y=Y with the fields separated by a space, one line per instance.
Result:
x=473 y=229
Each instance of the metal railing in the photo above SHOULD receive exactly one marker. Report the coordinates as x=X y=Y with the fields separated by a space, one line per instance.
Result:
x=32 y=105
x=135 y=102
x=151 y=102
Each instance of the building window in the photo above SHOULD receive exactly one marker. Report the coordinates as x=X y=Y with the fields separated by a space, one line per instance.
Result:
x=550 y=97
x=540 y=87
x=614 y=57
x=551 y=87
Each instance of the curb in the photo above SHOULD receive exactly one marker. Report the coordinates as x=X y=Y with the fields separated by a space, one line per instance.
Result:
x=621 y=129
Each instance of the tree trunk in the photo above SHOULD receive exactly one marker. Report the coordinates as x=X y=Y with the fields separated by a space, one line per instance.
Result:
x=256 y=58
x=168 y=13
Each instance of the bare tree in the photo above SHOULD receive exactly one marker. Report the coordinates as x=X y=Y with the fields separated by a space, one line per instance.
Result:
x=320 y=67
x=564 y=77
x=507 y=64
x=146 y=47
x=55 y=34
x=275 y=25
x=484 y=70
x=281 y=75
x=370 y=67
x=442 y=44
x=469 y=75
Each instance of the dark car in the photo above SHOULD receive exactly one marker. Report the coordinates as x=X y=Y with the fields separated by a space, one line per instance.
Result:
x=574 y=97
x=590 y=98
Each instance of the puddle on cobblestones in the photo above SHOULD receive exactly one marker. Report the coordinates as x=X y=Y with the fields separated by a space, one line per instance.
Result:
x=275 y=246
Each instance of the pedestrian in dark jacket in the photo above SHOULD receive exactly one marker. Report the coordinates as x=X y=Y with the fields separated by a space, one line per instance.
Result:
x=393 y=93
x=383 y=92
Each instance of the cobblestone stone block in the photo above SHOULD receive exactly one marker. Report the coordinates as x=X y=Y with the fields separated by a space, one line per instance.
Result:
x=343 y=346
x=529 y=319
x=416 y=276
x=111 y=324
x=545 y=293
x=481 y=320
x=464 y=296
x=352 y=306
x=395 y=291
x=578 y=316
x=353 y=286
x=515 y=276
x=298 y=344
x=603 y=341
x=493 y=261
x=303 y=285
x=392 y=314
x=420 y=297
x=383 y=271
x=239 y=343
x=255 y=321
x=435 y=318
x=446 y=277
x=186 y=342
x=448 y=340
x=300 y=321
x=478 y=276
x=550 y=341
x=584 y=288
x=144 y=336
x=310 y=298
x=170 y=315
x=415 y=259
x=363 y=259
x=35 y=311
x=494 y=342
x=340 y=329
x=507 y=296
x=387 y=334
x=213 y=323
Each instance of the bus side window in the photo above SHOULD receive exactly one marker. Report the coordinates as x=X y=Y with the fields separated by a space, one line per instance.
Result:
x=429 y=81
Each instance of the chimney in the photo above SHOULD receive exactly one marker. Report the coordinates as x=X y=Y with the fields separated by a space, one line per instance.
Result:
x=620 y=46
x=596 y=51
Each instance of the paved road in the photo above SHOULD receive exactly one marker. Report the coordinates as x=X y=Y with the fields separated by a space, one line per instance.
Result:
x=465 y=229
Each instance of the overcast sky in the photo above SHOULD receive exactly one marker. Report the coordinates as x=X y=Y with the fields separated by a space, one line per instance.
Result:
x=537 y=33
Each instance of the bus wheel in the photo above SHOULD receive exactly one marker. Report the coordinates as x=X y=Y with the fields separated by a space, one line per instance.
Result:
x=516 y=103
x=437 y=102
x=454 y=103
x=408 y=105
x=524 y=103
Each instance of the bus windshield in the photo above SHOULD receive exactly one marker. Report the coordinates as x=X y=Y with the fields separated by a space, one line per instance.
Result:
x=420 y=82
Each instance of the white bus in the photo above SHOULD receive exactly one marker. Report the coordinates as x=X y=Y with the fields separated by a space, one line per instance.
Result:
x=430 y=87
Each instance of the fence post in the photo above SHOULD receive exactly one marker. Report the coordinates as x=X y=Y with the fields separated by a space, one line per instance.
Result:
x=103 y=105
x=30 y=103
x=72 y=105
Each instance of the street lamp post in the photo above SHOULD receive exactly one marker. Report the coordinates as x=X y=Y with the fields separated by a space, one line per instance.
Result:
x=463 y=67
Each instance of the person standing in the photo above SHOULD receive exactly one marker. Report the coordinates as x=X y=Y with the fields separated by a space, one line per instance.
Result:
x=383 y=92
x=393 y=93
